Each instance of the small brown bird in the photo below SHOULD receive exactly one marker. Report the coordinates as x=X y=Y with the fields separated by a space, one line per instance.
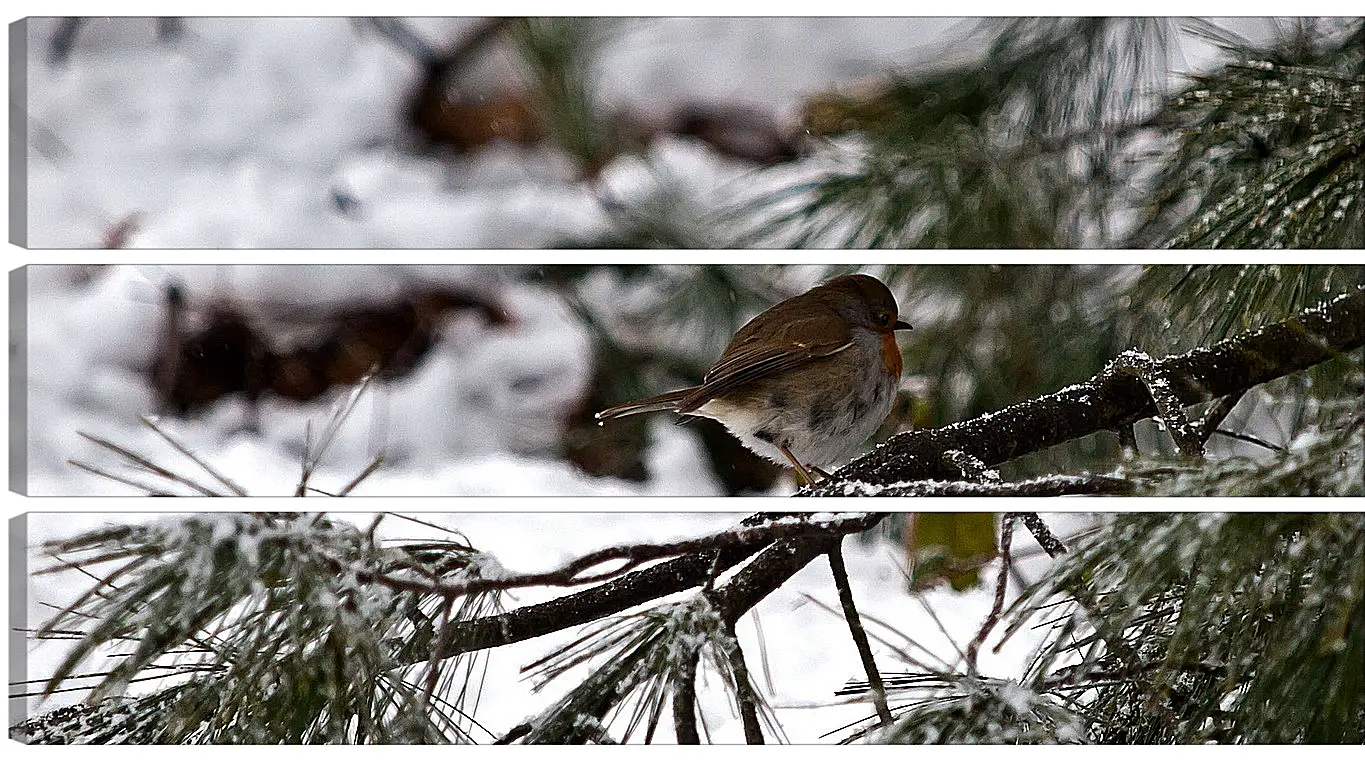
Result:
x=807 y=381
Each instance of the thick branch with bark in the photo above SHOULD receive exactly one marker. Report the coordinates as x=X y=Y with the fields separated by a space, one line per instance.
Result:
x=1111 y=400
x=624 y=558
x=768 y=571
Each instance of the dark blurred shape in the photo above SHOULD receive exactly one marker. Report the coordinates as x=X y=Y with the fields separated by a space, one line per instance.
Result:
x=122 y=232
x=741 y=470
x=466 y=126
x=449 y=109
x=613 y=449
x=169 y=28
x=616 y=448
x=203 y=356
x=193 y=368
x=346 y=203
x=63 y=41
x=738 y=131
x=861 y=107
x=443 y=113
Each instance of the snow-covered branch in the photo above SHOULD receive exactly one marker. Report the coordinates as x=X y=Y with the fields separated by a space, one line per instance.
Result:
x=1111 y=400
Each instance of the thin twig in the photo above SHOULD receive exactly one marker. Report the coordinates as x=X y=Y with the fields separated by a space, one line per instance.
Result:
x=402 y=36
x=855 y=628
x=148 y=489
x=901 y=654
x=1254 y=440
x=429 y=524
x=1001 y=584
x=745 y=695
x=713 y=572
x=938 y=623
x=1052 y=545
x=1208 y=424
x=1168 y=407
x=763 y=654
x=313 y=455
x=147 y=464
x=434 y=663
x=178 y=446
x=360 y=478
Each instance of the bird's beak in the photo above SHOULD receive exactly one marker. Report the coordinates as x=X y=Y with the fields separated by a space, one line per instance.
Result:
x=901 y=325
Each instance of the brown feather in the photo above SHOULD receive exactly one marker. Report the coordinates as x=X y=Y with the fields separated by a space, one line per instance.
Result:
x=668 y=401
x=764 y=346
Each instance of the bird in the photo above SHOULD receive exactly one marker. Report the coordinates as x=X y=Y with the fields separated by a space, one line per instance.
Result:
x=806 y=382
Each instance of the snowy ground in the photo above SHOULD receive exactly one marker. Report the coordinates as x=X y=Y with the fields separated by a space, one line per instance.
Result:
x=480 y=416
x=239 y=134
x=243 y=132
x=483 y=414
x=806 y=654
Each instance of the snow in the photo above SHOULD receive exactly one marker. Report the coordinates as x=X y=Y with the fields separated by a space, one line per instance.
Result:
x=482 y=414
x=288 y=132
x=242 y=133
x=806 y=646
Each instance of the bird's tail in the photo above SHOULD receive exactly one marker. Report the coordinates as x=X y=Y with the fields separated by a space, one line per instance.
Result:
x=668 y=401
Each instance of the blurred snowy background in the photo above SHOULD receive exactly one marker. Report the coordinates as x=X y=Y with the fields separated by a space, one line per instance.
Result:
x=800 y=652
x=489 y=376
x=483 y=411
x=310 y=133
x=293 y=132
x=330 y=133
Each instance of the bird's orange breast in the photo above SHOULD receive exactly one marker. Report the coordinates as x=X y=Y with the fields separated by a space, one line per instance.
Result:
x=891 y=354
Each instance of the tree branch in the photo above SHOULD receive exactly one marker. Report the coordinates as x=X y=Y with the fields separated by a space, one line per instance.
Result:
x=630 y=556
x=1052 y=485
x=767 y=572
x=1046 y=539
x=685 y=701
x=855 y=628
x=745 y=695
x=773 y=567
x=1111 y=399
x=1168 y=406
x=1001 y=584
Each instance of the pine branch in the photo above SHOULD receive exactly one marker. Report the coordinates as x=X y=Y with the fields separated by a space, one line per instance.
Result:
x=625 y=556
x=1051 y=485
x=744 y=591
x=1111 y=400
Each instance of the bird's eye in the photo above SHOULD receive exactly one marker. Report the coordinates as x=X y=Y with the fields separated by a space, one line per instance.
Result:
x=883 y=318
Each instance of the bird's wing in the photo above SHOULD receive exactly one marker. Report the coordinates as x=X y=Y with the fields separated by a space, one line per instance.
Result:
x=748 y=361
